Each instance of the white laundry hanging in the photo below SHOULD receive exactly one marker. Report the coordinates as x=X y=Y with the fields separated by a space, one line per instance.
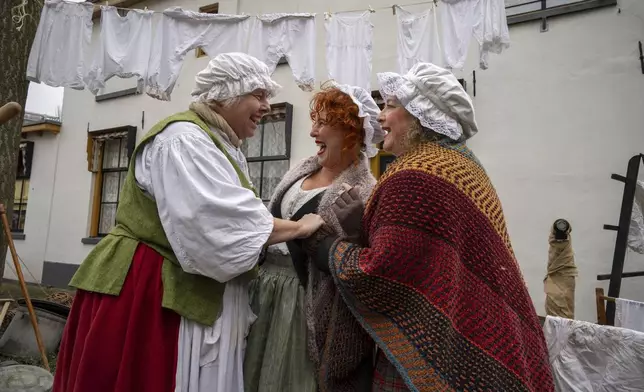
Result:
x=181 y=31
x=463 y=19
x=63 y=38
x=629 y=314
x=417 y=38
x=292 y=36
x=124 y=47
x=587 y=357
x=492 y=31
x=458 y=18
x=349 y=50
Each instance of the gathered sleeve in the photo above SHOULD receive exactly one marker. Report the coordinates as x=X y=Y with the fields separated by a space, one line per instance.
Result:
x=216 y=227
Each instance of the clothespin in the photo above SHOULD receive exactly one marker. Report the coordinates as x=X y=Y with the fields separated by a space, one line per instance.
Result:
x=371 y=9
x=327 y=15
x=435 y=3
x=393 y=9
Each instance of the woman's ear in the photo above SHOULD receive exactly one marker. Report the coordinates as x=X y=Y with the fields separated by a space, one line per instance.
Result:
x=215 y=106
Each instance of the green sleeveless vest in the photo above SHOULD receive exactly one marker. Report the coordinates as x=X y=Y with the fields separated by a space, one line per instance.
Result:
x=194 y=297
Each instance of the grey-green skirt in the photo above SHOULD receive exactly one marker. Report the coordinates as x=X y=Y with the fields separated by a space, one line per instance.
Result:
x=276 y=358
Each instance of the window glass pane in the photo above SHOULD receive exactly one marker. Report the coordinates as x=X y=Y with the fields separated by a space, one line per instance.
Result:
x=18 y=217
x=111 y=151
x=274 y=138
x=123 y=158
x=25 y=191
x=23 y=217
x=273 y=172
x=110 y=187
x=255 y=170
x=252 y=147
x=15 y=218
x=108 y=218
x=19 y=213
x=17 y=192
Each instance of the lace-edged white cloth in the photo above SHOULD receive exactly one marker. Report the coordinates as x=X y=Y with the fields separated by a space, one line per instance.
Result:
x=435 y=97
x=394 y=85
x=367 y=110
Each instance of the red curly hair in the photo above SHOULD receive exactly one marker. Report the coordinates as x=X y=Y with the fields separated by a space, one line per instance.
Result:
x=341 y=112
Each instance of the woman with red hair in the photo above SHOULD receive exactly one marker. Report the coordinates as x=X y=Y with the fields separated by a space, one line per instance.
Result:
x=304 y=336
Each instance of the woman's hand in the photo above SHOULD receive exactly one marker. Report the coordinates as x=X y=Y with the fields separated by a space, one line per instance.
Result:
x=309 y=224
x=287 y=230
x=348 y=208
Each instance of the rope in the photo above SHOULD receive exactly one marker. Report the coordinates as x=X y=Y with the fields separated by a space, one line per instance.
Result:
x=18 y=14
x=370 y=9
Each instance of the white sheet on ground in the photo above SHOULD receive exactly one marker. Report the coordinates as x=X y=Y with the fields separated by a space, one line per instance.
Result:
x=629 y=314
x=587 y=357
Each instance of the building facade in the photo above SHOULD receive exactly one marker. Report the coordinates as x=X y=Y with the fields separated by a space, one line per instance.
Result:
x=558 y=112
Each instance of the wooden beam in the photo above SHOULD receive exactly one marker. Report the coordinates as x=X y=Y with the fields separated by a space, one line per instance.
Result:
x=44 y=127
x=601 y=306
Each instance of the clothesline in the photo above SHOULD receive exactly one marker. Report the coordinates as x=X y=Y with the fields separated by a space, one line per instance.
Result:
x=154 y=51
x=370 y=9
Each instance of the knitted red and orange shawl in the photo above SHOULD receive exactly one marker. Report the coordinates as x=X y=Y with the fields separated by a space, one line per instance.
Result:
x=437 y=285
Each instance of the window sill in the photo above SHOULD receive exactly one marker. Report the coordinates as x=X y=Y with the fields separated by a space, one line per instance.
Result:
x=91 y=240
x=118 y=94
x=18 y=236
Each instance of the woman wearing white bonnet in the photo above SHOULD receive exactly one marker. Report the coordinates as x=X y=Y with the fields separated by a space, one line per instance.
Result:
x=297 y=304
x=432 y=277
x=162 y=301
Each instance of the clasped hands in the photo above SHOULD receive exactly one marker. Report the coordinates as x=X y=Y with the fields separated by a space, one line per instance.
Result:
x=348 y=209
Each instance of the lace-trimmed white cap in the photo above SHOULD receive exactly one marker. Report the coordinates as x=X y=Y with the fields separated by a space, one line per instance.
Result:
x=435 y=97
x=368 y=110
x=230 y=75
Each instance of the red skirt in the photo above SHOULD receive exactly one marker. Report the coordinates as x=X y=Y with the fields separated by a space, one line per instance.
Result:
x=125 y=343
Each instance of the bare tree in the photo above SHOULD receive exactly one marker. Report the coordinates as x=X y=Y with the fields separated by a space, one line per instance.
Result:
x=18 y=24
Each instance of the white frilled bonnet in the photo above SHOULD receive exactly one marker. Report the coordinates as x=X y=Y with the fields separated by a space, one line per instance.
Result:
x=230 y=75
x=435 y=97
x=367 y=110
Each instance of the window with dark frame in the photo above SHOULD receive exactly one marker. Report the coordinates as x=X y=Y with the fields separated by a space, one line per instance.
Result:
x=268 y=152
x=21 y=192
x=514 y=7
x=109 y=159
x=519 y=11
x=207 y=9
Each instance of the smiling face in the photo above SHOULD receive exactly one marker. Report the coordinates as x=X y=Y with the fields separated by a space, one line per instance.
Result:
x=245 y=112
x=330 y=141
x=337 y=129
x=396 y=121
